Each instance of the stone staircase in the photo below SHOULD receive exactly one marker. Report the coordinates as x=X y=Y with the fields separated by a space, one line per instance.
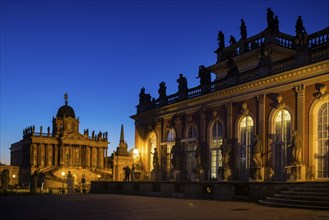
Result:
x=313 y=195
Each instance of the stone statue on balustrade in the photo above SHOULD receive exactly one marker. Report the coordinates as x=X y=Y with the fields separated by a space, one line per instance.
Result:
x=182 y=84
x=301 y=39
x=232 y=40
x=243 y=30
x=221 y=41
x=204 y=75
x=143 y=97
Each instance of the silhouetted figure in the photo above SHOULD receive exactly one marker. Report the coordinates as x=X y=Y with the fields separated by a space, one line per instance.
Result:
x=243 y=29
x=143 y=97
x=301 y=39
x=232 y=40
x=204 y=75
x=270 y=19
x=34 y=183
x=276 y=24
x=182 y=84
x=127 y=173
x=221 y=41
x=162 y=90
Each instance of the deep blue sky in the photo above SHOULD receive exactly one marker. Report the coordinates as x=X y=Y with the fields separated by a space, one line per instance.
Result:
x=102 y=52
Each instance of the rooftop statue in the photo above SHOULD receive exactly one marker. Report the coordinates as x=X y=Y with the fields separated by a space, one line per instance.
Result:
x=182 y=84
x=301 y=39
x=162 y=90
x=243 y=29
x=232 y=40
x=272 y=22
x=221 y=41
x=143 y=97
x=204 y=75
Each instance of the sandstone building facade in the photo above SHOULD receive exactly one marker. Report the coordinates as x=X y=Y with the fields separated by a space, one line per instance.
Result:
x=265 y=117
x=61 y=149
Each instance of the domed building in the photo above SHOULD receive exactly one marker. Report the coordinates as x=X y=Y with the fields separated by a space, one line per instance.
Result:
x=53 y=153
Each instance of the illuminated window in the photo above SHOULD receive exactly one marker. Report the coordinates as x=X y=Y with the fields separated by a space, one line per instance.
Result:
x=246 y=127
x=171 y=139
x=191 y=147
x=282 y=123
x=216 y=153
x=323 y=140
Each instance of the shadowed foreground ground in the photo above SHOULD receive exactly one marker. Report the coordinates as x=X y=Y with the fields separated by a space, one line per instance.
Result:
x=107 y=206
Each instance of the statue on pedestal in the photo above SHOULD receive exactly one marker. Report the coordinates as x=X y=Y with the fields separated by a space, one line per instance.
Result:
x=296 y=147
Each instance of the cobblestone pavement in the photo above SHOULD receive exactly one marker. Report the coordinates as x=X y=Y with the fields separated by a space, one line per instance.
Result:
x=107 y=206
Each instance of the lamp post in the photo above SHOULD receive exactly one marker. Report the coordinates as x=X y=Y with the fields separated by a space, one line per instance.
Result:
x=63 y=175
x=98 y=177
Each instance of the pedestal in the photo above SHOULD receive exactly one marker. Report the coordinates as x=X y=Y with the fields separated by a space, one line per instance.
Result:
x=224 y=174
x=256 y=174
x=295 y=172
x=174 y=175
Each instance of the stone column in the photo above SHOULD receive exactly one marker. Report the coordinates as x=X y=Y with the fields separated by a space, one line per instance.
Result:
x=300 y=113
x=80 y=156
x=87 y=157
x=300 y=127
x=229 y=121
x=229 y=137
x=261 y=132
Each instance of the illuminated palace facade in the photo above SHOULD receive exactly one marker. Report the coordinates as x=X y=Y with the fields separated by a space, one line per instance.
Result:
x=264 y=117
x=61 y=149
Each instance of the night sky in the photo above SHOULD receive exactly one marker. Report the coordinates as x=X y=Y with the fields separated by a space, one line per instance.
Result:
x=103 y=52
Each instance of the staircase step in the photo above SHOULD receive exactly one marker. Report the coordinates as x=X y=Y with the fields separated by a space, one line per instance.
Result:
x=297 y=202
x=272 y=204
x=305 y=189
x=298 y=197
x=312 y=194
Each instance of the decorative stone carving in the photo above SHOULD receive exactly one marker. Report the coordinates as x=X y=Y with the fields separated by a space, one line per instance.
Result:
x=260 y=99
x=279 y=102
x=244 y=110
x=300 y=89
x=321 y=92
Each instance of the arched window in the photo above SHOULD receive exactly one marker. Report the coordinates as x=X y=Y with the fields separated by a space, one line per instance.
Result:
x=282 y=124
x=217 y=134
x=246 y=128
x=323 y=142
x=171 y=136
x=192 y=135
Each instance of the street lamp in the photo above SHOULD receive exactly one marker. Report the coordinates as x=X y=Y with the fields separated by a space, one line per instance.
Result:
x=98 y=176
x=63 y=175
